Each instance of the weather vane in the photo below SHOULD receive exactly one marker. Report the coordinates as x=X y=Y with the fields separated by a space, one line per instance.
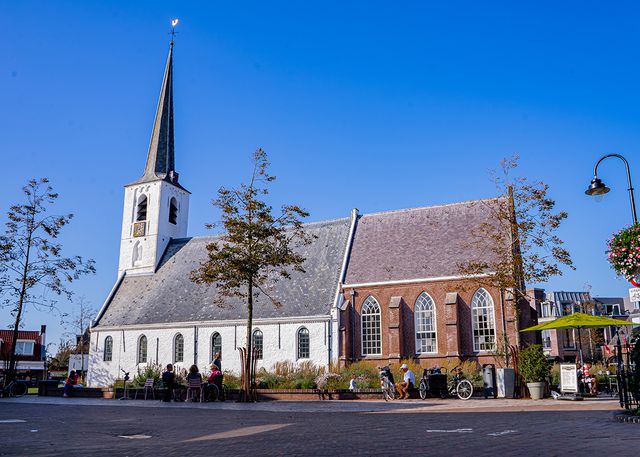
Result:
x=173 y=32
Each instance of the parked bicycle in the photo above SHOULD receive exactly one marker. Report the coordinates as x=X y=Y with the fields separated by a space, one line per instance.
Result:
x=386 y=384
x=436 y=383
x=14 y=388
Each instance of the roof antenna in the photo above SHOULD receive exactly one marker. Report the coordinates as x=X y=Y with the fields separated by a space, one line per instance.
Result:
x=173 y=32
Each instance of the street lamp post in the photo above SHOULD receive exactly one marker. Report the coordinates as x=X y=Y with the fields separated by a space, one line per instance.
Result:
x=597 y=187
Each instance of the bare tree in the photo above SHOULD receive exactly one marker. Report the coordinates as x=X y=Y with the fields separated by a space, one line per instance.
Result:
x=519 y=239
x=79 y=323
x=256 y=249
x=31 y=263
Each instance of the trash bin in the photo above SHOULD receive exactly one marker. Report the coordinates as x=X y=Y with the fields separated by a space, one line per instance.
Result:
x=489 y=380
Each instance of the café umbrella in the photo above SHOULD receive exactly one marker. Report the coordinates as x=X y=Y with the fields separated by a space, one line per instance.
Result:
x=577 y=321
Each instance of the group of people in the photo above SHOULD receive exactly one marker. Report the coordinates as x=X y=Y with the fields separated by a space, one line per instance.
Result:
x=587 y=381
x=212 y=386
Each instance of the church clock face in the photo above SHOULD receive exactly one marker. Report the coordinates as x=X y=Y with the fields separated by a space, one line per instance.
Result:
x=139 y=229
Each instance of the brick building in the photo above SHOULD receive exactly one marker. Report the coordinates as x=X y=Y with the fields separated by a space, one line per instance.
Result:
x=30 y=351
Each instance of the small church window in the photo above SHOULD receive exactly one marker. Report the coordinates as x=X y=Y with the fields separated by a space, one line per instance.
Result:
x=216 y=345
x=371 y=334
x=142 y=349
x=141 y=210
x=425 y=320
x=178 y=348
x=107 y=356
x=303 y=343
x=173 y=211
x=484 y=332
x=257 y=344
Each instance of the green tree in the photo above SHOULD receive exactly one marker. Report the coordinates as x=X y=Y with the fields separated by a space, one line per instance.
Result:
x=33 y=271
x=518 y=240
x=255 y=250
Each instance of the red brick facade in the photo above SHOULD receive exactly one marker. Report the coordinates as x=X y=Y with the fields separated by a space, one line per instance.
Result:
x=454 y=337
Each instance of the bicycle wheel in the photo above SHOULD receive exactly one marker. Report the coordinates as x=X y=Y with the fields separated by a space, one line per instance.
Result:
x=214 y=394
x=464 y=389
x=423 y=390
x=19 y=389
x=224 y=394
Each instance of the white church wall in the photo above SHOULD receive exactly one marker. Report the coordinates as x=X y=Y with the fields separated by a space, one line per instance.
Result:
x=279 y=344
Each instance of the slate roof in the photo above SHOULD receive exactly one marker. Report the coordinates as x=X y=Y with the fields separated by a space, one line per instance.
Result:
x=415 y=243
x=169 y=296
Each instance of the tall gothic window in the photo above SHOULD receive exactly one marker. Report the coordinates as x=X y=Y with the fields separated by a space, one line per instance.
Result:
x=141 y=209
x=173 y=211
x=142 y=349
x=425 y=322
x=484 y=331
x=303 y=343
x=257 y=343
x=371 y=335
x=178 y=348
x=107 y=356
x=216 y=344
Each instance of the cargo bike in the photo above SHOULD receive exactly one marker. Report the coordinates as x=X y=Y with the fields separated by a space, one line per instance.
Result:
x=435 y=383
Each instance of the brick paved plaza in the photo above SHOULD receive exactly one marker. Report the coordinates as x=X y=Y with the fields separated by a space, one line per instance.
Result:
x=31 y=427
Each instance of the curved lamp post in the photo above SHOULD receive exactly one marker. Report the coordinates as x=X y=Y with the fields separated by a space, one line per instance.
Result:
x=598 y=188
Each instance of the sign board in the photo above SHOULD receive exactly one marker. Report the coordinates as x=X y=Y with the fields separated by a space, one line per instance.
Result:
x=634 y=294
x=569 y=378
x=76 y=362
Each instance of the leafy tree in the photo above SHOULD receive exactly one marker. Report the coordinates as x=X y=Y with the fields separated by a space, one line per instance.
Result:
x=518 y=240
x=31 y=262
x=256 y=249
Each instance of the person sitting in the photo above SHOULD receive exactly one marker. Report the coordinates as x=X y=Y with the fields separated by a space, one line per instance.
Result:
x=588 y=380
x=408 y=382
x=353 y=385
x=214 y=383
x=169 y=380
x=71 y=383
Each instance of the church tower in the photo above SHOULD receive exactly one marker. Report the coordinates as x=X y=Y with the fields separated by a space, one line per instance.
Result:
x=156 y=206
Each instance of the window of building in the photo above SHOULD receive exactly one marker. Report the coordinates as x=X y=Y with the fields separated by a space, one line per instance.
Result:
x=173 y=210
x=216 y=345
x=371 y=335
x=425 y=322
x=141 y=210
x=257 y=344
x=142 y=349
x=546 y=339
x=178 y=348
x=25 y=347
x=484 y=331
x=107 y=356
x=568 y=339
x=303 y=343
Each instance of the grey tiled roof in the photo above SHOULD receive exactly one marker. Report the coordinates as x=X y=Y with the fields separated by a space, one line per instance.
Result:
x=415 y=243
x=169 y=295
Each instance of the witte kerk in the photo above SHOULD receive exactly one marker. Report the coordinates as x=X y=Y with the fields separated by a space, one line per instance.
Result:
x=380 y=286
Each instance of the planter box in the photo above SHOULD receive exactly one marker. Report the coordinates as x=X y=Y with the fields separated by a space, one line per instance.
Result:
x=506 y=380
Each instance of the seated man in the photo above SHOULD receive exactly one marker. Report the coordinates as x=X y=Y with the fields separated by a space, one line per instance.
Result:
x=408 y=382
x=169 y=380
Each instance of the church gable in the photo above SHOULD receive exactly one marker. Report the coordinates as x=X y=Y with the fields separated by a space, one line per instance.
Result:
x=169 y=296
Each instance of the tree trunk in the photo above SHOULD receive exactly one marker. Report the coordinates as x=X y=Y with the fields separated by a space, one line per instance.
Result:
x=518 y=282
x=11 y=373
x=247 y=372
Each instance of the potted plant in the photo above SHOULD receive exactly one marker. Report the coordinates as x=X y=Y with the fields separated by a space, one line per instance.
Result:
x=623 y=252
x=535 y=369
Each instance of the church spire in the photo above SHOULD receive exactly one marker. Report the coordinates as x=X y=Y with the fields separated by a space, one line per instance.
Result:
x=161 y=158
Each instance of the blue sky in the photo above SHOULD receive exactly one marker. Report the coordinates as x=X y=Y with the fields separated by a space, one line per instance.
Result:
x=374 y=105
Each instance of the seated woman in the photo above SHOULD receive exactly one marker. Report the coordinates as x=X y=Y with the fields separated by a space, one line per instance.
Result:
x=71 y=383
x=194 y=373
x=215 y=383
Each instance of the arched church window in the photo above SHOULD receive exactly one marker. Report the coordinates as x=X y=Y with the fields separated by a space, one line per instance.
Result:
x=173 y=211
x=107 y=355
x=141 y=209
x=484 y=331
x=142 y=349
x=303 y=343
x=425 y=321
x=178 y=348
x=257 y=343
x=216 y=345
x=371 y=335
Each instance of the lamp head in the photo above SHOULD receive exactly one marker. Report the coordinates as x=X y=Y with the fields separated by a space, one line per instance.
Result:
x=596 y=188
